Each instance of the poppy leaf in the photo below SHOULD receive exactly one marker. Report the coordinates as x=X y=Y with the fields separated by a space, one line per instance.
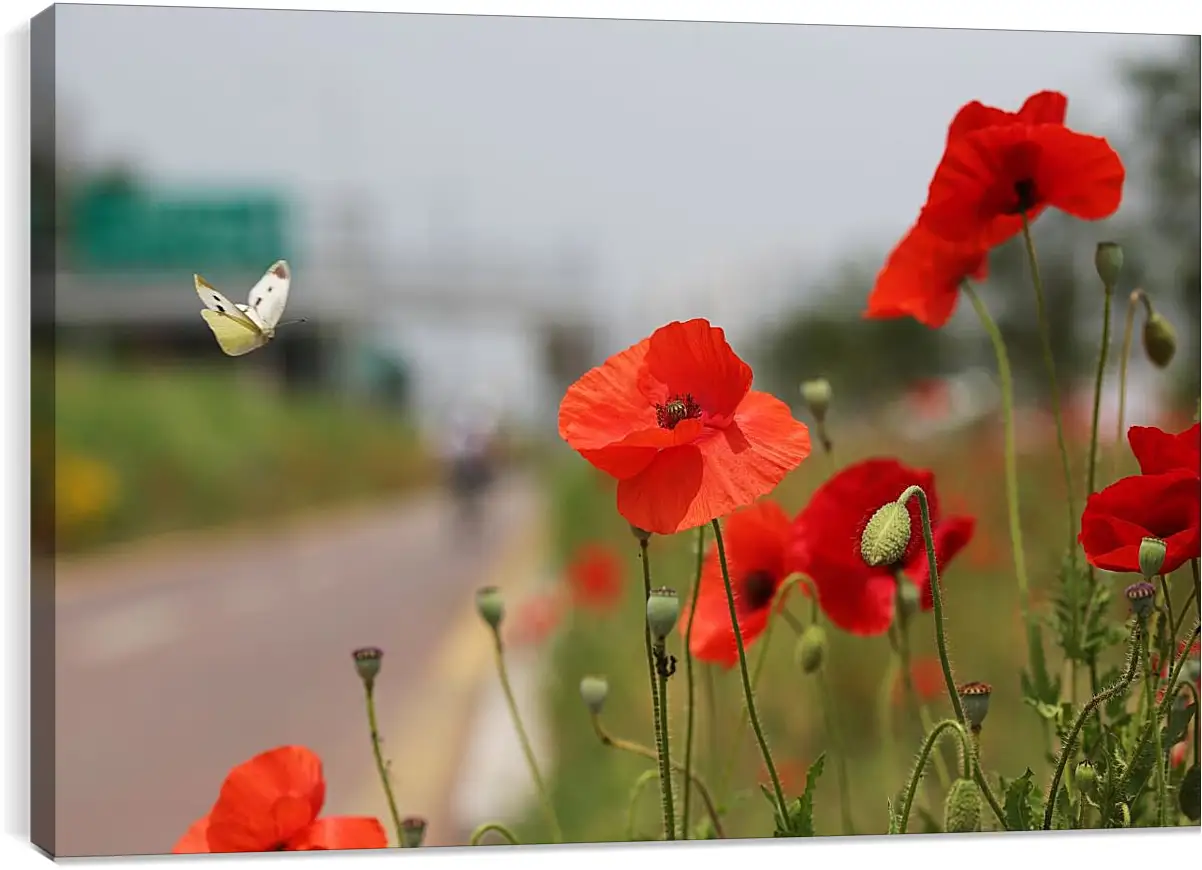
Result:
x=1017 y=803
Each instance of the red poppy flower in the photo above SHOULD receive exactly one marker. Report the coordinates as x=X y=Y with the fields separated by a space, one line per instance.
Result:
x=675 y=420
x=1157 y=451
x=922 y=278
x=756 y=541
x=1163 y=668
x=1178 y=753
x=595 y=577
x=270 y=804
x=826 y=543
x=1045 y=107
x=1119 y=517
x=989 y=178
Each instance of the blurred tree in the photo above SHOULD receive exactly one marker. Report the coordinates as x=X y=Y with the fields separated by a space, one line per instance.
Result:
x=1167 y=92
x=866 y=361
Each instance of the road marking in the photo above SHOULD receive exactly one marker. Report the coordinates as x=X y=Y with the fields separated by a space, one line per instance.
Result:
x=125 y=632
x=425 y=754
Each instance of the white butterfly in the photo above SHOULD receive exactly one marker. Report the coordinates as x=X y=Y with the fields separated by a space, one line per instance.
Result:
x=242 y=328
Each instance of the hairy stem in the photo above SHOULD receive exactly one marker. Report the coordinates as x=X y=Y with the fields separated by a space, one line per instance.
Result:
x=665 y=754
x=1091 y=479
x=495 y=828
x=832 y=728
x=638 y=749
x=748 y=692
x=924 y=754
x=531 y=763
x=381 y=766
x=1045 y=336
x=928 y=539
x=1134 y=299
x=688 y=663
x=1070 y=741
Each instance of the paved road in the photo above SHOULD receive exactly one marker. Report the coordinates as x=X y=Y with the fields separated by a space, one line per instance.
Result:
x=174 y=664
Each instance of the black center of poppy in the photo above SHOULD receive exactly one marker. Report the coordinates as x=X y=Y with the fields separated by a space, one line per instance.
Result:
x=1025 y=197
x=758 y=589
x=676 y=409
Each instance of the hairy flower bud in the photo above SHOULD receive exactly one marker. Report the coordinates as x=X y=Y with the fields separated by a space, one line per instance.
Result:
x=1085 y=776
x=663 y=609
x=490 y=605
x=886 y=536
x=594 y=691
x=817 y=396
x=1108 y=260
x=1160 y=340
x=810 y=651
x=962 y=809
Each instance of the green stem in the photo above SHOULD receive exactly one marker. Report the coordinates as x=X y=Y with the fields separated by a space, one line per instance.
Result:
x=1162 y=785
x=1011 y=463
x=638 y=749
x=369 y=692
x=1045 y=335
x=1128 y=332
x=1070 y=741
x=544 y=795
x=495 y=828
x=945 y=781
x=657 y=708
x=928 y=539
x=1161 y=709
x=906 y=664
x=688 y=660
x=645 y=778
x=748 y=692
x=928 y=746
x=1091 y=480
x=665 y=754
x=832 y=727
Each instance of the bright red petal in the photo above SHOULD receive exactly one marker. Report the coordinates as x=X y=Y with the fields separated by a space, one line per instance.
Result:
x=1158 y=451
x=1116 y=519
x=922 y=278
x=605 y=408
x=267 y=801
x=341 y=832
x=1045 y=107
x=196 y=840
x=694 y=358
x=1078 y=174
x=725 y=469
x=755 y=538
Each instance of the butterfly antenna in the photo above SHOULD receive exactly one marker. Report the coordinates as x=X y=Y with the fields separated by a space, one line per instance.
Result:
x=290 y=322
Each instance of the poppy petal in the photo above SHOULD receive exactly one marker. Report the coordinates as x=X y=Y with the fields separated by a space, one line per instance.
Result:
x=604 y=406
x=267 y=800
x=1080 y=175
x=1116 y=519
x=341 y=832
x=694 y=358
x=1045 y=107
x=1157 y=451
x=196 y=840
x=921 y=278
x=729 y=468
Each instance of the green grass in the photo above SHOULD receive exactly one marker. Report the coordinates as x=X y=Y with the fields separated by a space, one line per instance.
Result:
x=191 y=447
x=591 y=783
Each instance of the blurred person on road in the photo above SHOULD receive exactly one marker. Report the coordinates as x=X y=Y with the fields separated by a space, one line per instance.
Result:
x=469 y=463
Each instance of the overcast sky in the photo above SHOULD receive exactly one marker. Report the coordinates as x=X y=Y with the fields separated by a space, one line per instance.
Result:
x=678 y=154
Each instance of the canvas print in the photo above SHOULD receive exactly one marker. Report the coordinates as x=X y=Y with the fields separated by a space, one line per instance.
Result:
x=478 y=430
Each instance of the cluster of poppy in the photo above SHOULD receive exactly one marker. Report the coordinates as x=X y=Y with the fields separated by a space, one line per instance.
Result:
x=999 y=171
x=1162 y=501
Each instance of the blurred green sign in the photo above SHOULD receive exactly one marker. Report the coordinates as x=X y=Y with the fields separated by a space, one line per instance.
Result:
x=124 y=229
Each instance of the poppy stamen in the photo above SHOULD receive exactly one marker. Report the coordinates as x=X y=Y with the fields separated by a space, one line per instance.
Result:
x=1025 y=196
x=676 y=409
x=759 y=588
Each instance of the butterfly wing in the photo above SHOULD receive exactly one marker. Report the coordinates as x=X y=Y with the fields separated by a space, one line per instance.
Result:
x=235 y=335
x=269 y=296
x=216 y=302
